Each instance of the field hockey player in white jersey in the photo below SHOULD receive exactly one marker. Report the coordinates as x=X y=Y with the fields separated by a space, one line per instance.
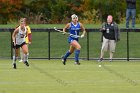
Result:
x=18 y=38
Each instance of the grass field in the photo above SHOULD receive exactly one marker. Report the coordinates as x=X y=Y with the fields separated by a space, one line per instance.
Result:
x=50 y=76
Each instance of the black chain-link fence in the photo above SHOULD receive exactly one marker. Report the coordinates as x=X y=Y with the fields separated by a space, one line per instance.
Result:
x=49 y=44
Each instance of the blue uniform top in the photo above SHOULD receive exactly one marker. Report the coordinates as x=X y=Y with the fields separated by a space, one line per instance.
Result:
x=74 y=30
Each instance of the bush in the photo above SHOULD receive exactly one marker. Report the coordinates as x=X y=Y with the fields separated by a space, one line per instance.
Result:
x=91 y=17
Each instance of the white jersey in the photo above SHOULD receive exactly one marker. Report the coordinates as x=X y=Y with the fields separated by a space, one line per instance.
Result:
x=20 y=37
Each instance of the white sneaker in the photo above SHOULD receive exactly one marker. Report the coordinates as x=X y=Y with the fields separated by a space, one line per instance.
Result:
x=21 y=60
x=76 y=63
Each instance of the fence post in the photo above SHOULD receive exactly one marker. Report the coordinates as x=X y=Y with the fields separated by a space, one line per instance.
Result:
x=87 y=45
x=49 y=44
x=11 y=31
x=128 y=44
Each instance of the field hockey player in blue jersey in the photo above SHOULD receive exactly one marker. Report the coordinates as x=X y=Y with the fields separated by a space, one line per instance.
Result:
x=74 y=27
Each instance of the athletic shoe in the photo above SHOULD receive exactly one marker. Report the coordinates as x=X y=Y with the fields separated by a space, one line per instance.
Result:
x=20 y=60
x=14 y=65
x=76 y=63
x=100 y=60
x=63 y=60
x=26 y=63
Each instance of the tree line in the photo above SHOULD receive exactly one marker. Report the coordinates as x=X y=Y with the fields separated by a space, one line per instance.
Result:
x=60 y=11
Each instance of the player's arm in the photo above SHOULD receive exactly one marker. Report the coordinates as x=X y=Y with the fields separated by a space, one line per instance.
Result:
x=83 y=29
x=14 y=35
x=66 y=27
x=29 y=34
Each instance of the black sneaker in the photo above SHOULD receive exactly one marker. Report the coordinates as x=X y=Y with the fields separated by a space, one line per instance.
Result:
x=63 y=60
x=76 y=63
x=26 y=63
x=100 y=60
x=14 y=65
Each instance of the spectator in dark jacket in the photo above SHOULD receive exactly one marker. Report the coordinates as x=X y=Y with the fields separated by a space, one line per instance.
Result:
x=110 y=35
x=130 y=12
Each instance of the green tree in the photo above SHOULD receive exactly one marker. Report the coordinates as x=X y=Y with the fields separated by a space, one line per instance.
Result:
x=58 y=10
x=9 y=9
x=113 y=7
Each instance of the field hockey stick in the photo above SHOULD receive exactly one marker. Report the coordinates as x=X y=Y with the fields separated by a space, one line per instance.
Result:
x=76 y=36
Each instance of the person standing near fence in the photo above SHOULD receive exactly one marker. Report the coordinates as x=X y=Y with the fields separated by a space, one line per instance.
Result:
x=110 y=35
x=28 y=40
x=130 y=12
x=18 y=38
x=74 y=28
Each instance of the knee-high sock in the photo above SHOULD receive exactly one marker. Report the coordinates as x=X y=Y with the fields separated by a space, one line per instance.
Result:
x=77 y=52
x=14 y=59
x=67 y=54
x=26 y=57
